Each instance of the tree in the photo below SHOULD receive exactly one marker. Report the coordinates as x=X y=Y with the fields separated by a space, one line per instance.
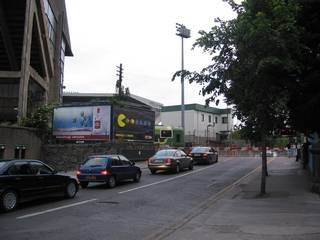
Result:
x=41 y=120
x=304 y=101
x=253 y=60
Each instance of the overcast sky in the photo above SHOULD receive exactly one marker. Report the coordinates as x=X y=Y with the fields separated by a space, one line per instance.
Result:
x=140 y=34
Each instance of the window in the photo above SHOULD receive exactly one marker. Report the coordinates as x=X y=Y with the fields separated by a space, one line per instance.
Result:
x=62 y=56
x=224 y=120
x=39 y=168
x=202 y=117
x=96 y=161
x=51 y=22
x=21 y=168
x=177 y=154
x=209 y=118
x=165 y=133
x=116 y=162
x=124 y=160
x=20 y=152
x=216 y=119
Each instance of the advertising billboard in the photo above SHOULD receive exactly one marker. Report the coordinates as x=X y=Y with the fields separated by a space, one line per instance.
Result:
x=82 y=123
x=133 y=124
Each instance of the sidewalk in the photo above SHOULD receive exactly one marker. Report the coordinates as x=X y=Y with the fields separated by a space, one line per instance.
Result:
x=288 y=211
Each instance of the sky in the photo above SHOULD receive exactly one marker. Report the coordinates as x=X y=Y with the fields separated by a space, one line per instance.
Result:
x=140 y=34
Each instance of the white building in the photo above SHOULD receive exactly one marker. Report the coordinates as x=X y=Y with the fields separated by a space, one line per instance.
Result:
x=202 y=123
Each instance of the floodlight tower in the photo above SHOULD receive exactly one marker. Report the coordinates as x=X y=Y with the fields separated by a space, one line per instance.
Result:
x=182 y=32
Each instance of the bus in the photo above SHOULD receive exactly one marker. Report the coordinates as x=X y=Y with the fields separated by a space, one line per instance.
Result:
x=169 y=136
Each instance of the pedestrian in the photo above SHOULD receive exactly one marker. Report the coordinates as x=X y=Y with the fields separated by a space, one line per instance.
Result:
x=305 y=154
x=298 y=156
x=289 y=149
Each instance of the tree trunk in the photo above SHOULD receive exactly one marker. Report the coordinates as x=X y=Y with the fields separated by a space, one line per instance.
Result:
x=264 y=168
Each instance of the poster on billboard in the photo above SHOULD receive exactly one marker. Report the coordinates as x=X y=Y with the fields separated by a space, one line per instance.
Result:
x=82 y=123
x=133 y=124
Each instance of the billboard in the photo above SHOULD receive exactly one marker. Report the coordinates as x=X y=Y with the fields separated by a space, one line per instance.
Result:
x=82 y=123
x=133 y=124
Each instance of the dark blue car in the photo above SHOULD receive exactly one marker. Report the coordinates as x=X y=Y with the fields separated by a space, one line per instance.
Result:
x=108 y=169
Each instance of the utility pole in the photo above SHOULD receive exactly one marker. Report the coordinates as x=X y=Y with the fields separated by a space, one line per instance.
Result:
x=119 y=88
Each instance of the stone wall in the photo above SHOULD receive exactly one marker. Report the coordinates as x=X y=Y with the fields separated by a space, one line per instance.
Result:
x=19 y=140
x=64 y=157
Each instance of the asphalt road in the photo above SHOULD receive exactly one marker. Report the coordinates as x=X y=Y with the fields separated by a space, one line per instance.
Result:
x=129 y=211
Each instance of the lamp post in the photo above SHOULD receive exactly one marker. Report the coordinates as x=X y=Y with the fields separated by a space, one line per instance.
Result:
x=182 y=32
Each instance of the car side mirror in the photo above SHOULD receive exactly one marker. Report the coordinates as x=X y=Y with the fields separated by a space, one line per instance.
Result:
x=54 y=172
x=133 y=163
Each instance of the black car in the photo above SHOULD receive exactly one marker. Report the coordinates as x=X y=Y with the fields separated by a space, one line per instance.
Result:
x=170 y=159
x=108 y=169
x=204 y=155
x=23 y=180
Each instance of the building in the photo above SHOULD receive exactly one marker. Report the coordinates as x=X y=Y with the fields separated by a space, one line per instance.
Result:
x=34 y=40
x=75 y=97
x=203 y=124
x=33 y=43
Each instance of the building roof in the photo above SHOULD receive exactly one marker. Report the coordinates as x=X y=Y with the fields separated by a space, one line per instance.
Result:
x=196 y=107
x=154 y=105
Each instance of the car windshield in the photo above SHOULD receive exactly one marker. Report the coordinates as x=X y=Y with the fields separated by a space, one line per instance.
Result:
x=200 y=150
x=95 y=162
x=2 y=164
x=164 y=153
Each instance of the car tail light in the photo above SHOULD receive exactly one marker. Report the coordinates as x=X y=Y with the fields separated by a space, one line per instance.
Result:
x=104 y=172
x=78 y=172
x=150 y=160
x=205 y=155
x=167 y=161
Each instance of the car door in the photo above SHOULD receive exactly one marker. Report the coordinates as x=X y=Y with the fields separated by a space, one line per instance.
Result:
x=20 y=177
x=51 y=183
x=116 y=167
x=128 y=170
x=179 y=159
x=185 y=159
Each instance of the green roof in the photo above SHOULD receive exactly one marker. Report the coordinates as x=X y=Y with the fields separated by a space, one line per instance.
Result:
x=196 y=107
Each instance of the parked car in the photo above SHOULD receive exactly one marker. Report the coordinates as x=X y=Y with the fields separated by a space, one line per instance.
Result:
x=23 y=180
x=173 y=160
x=108 y=169
x=204 y=155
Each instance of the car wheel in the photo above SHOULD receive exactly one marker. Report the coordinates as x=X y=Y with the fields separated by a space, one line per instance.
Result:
x=71 y=190
x=84 y=184
x=153 y=171
x=9 y=200
x=177 y=169
x=111 y=182
x=137 y=177
x=191 y=166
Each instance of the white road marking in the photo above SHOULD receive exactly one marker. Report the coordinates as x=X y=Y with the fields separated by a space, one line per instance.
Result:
x=56 y=209
x=166 y=180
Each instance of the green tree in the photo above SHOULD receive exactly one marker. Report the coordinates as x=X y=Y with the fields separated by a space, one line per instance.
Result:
x=253 y=58
x=41 y=120
x=304 y=101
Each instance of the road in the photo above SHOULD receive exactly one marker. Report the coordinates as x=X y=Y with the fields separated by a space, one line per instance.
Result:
x=141 y=210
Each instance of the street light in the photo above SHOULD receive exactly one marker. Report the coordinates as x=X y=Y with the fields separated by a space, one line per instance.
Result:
x=182 y=32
